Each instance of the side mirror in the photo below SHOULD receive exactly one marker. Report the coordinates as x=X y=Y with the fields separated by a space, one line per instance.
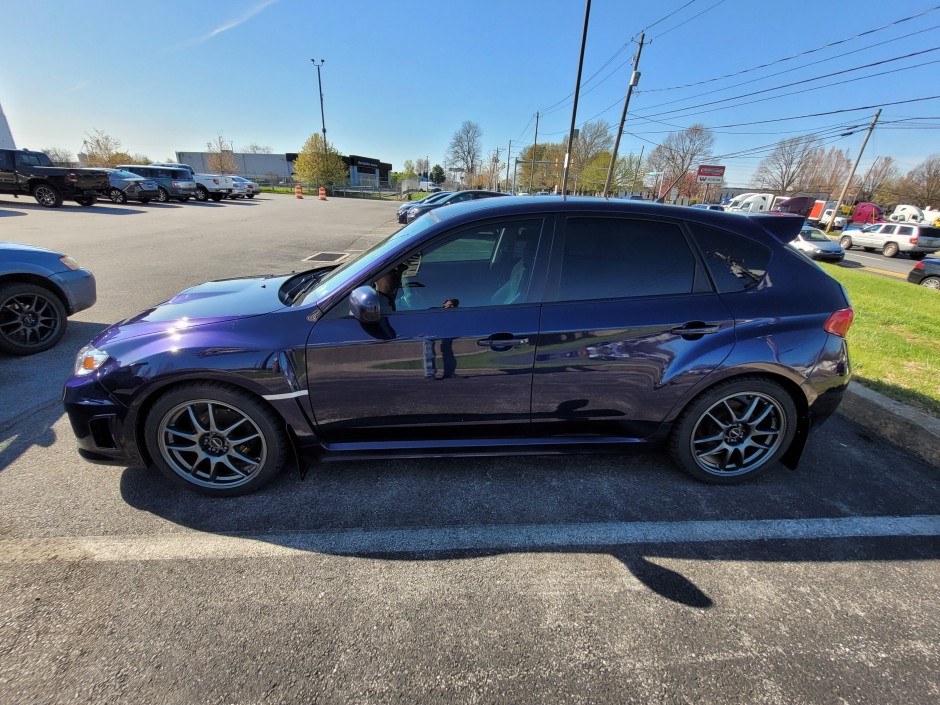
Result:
x=364 y=305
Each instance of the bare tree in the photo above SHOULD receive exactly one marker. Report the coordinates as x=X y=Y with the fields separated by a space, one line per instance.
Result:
x=60 y=156
x=421 y=166
x=679 y=152
x=826 y=172
x=786 y=166
x=255 y=148
x=465 y=149
x=101 y=149
x=882 y=171
x=921 y=186
x=220 y=159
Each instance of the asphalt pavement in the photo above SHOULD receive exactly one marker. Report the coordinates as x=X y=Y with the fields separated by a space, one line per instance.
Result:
x=594 y=579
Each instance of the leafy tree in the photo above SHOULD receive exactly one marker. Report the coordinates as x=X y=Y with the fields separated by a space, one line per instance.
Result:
x=102 y=150
x=628 y=174
x=60 y=156
x=408 y=170
x=465 y=149
x=437 y=174
x=318 y=166
x=220 y=159
x=788 y=164
x=542 y=166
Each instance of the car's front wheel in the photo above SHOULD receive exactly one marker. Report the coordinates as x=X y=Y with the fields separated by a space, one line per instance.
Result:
x=734 y=431
x=215 y=439
x=846 y=242
x=32 y=319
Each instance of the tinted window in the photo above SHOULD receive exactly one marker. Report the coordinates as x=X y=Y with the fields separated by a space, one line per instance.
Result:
x=607 y=258
x=905 y=230
x=735 y=262
x=32 y=159
x=888 y=229
x=6 y=159
x=927 y=231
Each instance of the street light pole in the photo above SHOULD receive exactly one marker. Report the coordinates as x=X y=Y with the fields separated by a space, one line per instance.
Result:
x=320 y=84
x=577 y=93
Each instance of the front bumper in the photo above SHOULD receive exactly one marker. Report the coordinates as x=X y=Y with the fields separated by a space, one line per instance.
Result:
x=828 y=256
x=79 y=288
x=98 y=423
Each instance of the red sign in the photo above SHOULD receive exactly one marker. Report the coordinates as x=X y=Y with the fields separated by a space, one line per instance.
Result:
x=707 y=170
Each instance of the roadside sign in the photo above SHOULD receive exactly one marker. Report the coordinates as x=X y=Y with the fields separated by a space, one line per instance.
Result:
x=710 y=174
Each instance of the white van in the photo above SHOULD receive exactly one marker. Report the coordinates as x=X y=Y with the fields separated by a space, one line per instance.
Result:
x=754 y=203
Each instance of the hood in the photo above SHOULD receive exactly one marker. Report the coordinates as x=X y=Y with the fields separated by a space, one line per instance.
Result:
x=213 y=302
x=16 y=247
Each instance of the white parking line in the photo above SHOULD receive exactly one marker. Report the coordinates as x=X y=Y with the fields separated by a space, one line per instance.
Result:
x=523 y=537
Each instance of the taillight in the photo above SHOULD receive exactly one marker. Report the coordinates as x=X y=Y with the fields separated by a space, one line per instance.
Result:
x=913 y=240
x=840 y=322
x=919 y=265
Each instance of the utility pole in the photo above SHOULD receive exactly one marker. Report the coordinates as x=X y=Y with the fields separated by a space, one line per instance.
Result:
x=320 y=84
x=577 y=93
x=508 y=156
x=496 y=170
x=634 y=79
x=835 y=211
x=534 y=145
x=514 y=182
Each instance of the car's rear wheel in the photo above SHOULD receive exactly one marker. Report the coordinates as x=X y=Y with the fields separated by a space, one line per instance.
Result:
x=47 y=195
x=846 y=242
x=202 y=194
x=215 y=439
x=734 y=431
x=163 y=196
x=931 y=283
x=32 y=319
x=117 y=195
x=890 y=250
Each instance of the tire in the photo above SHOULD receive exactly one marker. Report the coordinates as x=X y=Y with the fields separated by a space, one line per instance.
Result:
x=712 y=438
x=204 y=416
x=47 y=195
x=163 y=196
x=216 y=196
x=32 y=319
x=202 y=195
x=931 y=283
x=916 y=256
x=846 y=242
x=890 y=250
x=183 y=199
x=117 y=195
x=86 y=201
x=250 y=195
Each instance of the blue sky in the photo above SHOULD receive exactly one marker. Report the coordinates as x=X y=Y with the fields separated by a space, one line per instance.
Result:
x=400 y=77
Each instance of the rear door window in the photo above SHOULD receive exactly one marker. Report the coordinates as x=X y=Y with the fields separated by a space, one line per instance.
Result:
x=905 y=230
x=6 y=160
x=613 y=258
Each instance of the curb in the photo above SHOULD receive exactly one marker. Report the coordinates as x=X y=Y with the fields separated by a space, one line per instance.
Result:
x=912 y=429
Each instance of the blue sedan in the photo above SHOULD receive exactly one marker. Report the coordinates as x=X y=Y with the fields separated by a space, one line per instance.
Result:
x=508 y=325
x=125 y=186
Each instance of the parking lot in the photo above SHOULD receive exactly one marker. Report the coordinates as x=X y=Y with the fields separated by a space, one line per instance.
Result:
x=593 y=578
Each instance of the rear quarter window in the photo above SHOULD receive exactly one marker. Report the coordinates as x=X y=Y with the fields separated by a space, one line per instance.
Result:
x=735 y=262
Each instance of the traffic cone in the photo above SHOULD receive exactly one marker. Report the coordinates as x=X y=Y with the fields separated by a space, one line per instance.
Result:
x=299 y=191
x=322 y=193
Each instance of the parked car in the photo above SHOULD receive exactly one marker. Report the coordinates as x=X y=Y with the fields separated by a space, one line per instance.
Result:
x=39 y=290
x=405 y=207
x=251 y=187
x=24 y=172
x=205 y=186
x=239 y=188
x=926 y=273
x=817 y=245
x=917 y=241
x=420 y=209
x=497 y=326
x=173 y=182
x=126 y=185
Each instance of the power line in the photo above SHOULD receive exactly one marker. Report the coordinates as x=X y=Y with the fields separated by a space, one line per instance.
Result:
x=802 y=53
x=708 y=9
x=648 y=27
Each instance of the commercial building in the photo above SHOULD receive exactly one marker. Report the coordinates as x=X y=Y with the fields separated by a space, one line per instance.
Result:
x=366 y=172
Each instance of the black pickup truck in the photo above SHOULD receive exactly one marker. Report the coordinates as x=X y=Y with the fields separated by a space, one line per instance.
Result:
x=25 y=172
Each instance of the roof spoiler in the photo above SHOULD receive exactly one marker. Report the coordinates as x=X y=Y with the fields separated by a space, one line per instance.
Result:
x=783 y=227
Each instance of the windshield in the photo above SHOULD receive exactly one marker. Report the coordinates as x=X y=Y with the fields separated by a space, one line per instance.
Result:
x=813 y=235
x=355 y=268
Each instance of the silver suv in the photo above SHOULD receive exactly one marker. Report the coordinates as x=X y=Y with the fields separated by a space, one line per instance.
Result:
x=917 y=241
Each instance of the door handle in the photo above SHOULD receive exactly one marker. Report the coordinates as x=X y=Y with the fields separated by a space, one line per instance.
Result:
x=695 y=328
x=498 y=342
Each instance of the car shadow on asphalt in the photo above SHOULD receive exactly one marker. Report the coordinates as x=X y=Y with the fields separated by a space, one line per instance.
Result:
x=205 y=204
x=98 y=208
x=7 y=214
x=404 y=509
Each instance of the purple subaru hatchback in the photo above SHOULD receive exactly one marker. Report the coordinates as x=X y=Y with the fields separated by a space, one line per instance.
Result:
x=509 y=325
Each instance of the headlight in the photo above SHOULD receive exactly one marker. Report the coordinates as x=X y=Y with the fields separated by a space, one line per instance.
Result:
x=88 y=360
x=413 y=211
x=69 y=262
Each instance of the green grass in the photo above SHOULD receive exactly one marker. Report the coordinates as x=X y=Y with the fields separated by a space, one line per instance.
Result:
x=894 y=343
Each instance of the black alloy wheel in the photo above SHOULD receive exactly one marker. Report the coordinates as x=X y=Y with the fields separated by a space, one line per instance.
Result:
x=163 y=196
x=734 y=431
x=216 y=439
x=47 y=195
x=117 y=195
x=32 y=319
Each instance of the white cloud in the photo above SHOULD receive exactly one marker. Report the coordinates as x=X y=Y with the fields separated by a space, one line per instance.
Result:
x=231 y=24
